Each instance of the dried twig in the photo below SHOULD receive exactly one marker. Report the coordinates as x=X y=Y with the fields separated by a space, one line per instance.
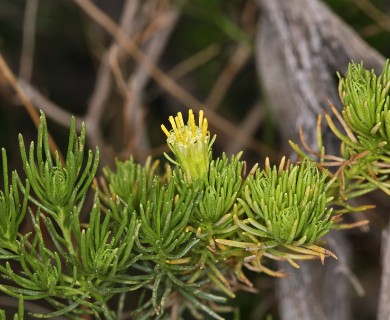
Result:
x=188 y=65
x=226 y=77
x=118 y=75
x=131 y=48
x=370 y=30
x=8 y=74
x=384 y=296
x=157 y=19
x=27 y=56
x=164 y=80
x=194 y=61
x=51 y=110
x=343 y=268
x=103 y=84
x=10 y=302
x=381 y=19
x=133 y=111
x=249 y=125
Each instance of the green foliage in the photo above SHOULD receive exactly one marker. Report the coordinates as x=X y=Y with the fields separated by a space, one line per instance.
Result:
x=130 y=181
x=58 y=187
x=180 y=241
x=363 y=164
x=287 y=206
x=366 y=100
x=19 y=315
x=12 y=210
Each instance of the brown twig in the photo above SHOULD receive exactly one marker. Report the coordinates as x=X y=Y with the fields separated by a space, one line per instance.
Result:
x=237 y=61
x=28 y=44
x=384 y=296
x=131 y=48
x=133 y=112
x=10 y=302
x=8 y=74
x=157 y=21
x=103 y=86
x=249 y=125
x=163 y=79
x=380 y=18
x=162 y=21
x=188 y=65
x=344 y=269
x=118 y=75
x=370 y=30
x=51 y=110
x=194 y=61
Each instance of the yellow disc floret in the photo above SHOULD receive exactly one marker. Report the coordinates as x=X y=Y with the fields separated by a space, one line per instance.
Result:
x=191 y=145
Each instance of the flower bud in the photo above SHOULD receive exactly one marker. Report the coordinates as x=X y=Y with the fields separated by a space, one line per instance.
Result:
x=190 y=144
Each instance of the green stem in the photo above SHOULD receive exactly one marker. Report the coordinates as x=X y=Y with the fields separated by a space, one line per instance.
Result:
x=66 y=232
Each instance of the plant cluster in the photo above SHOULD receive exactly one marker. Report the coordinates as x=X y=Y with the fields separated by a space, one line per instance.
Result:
x=177 y=241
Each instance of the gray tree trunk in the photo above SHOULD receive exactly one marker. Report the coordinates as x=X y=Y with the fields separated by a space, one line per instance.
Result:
x=384 y=296
x=301 y=44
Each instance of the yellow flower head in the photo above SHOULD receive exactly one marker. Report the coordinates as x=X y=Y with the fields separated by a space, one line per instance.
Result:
x=190 y=144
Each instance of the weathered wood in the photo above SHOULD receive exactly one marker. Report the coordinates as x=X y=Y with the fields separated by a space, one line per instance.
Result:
x=301 y=45
x=384 y=296
x=312 y=292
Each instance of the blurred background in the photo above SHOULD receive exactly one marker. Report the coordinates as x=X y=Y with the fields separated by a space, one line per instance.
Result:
x=124 y=66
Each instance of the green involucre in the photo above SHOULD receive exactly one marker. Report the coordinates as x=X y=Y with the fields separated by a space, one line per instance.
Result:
x=289 y=206
x=224 y=181
x=366 y=101
x=130 y=180
x=58 y=186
